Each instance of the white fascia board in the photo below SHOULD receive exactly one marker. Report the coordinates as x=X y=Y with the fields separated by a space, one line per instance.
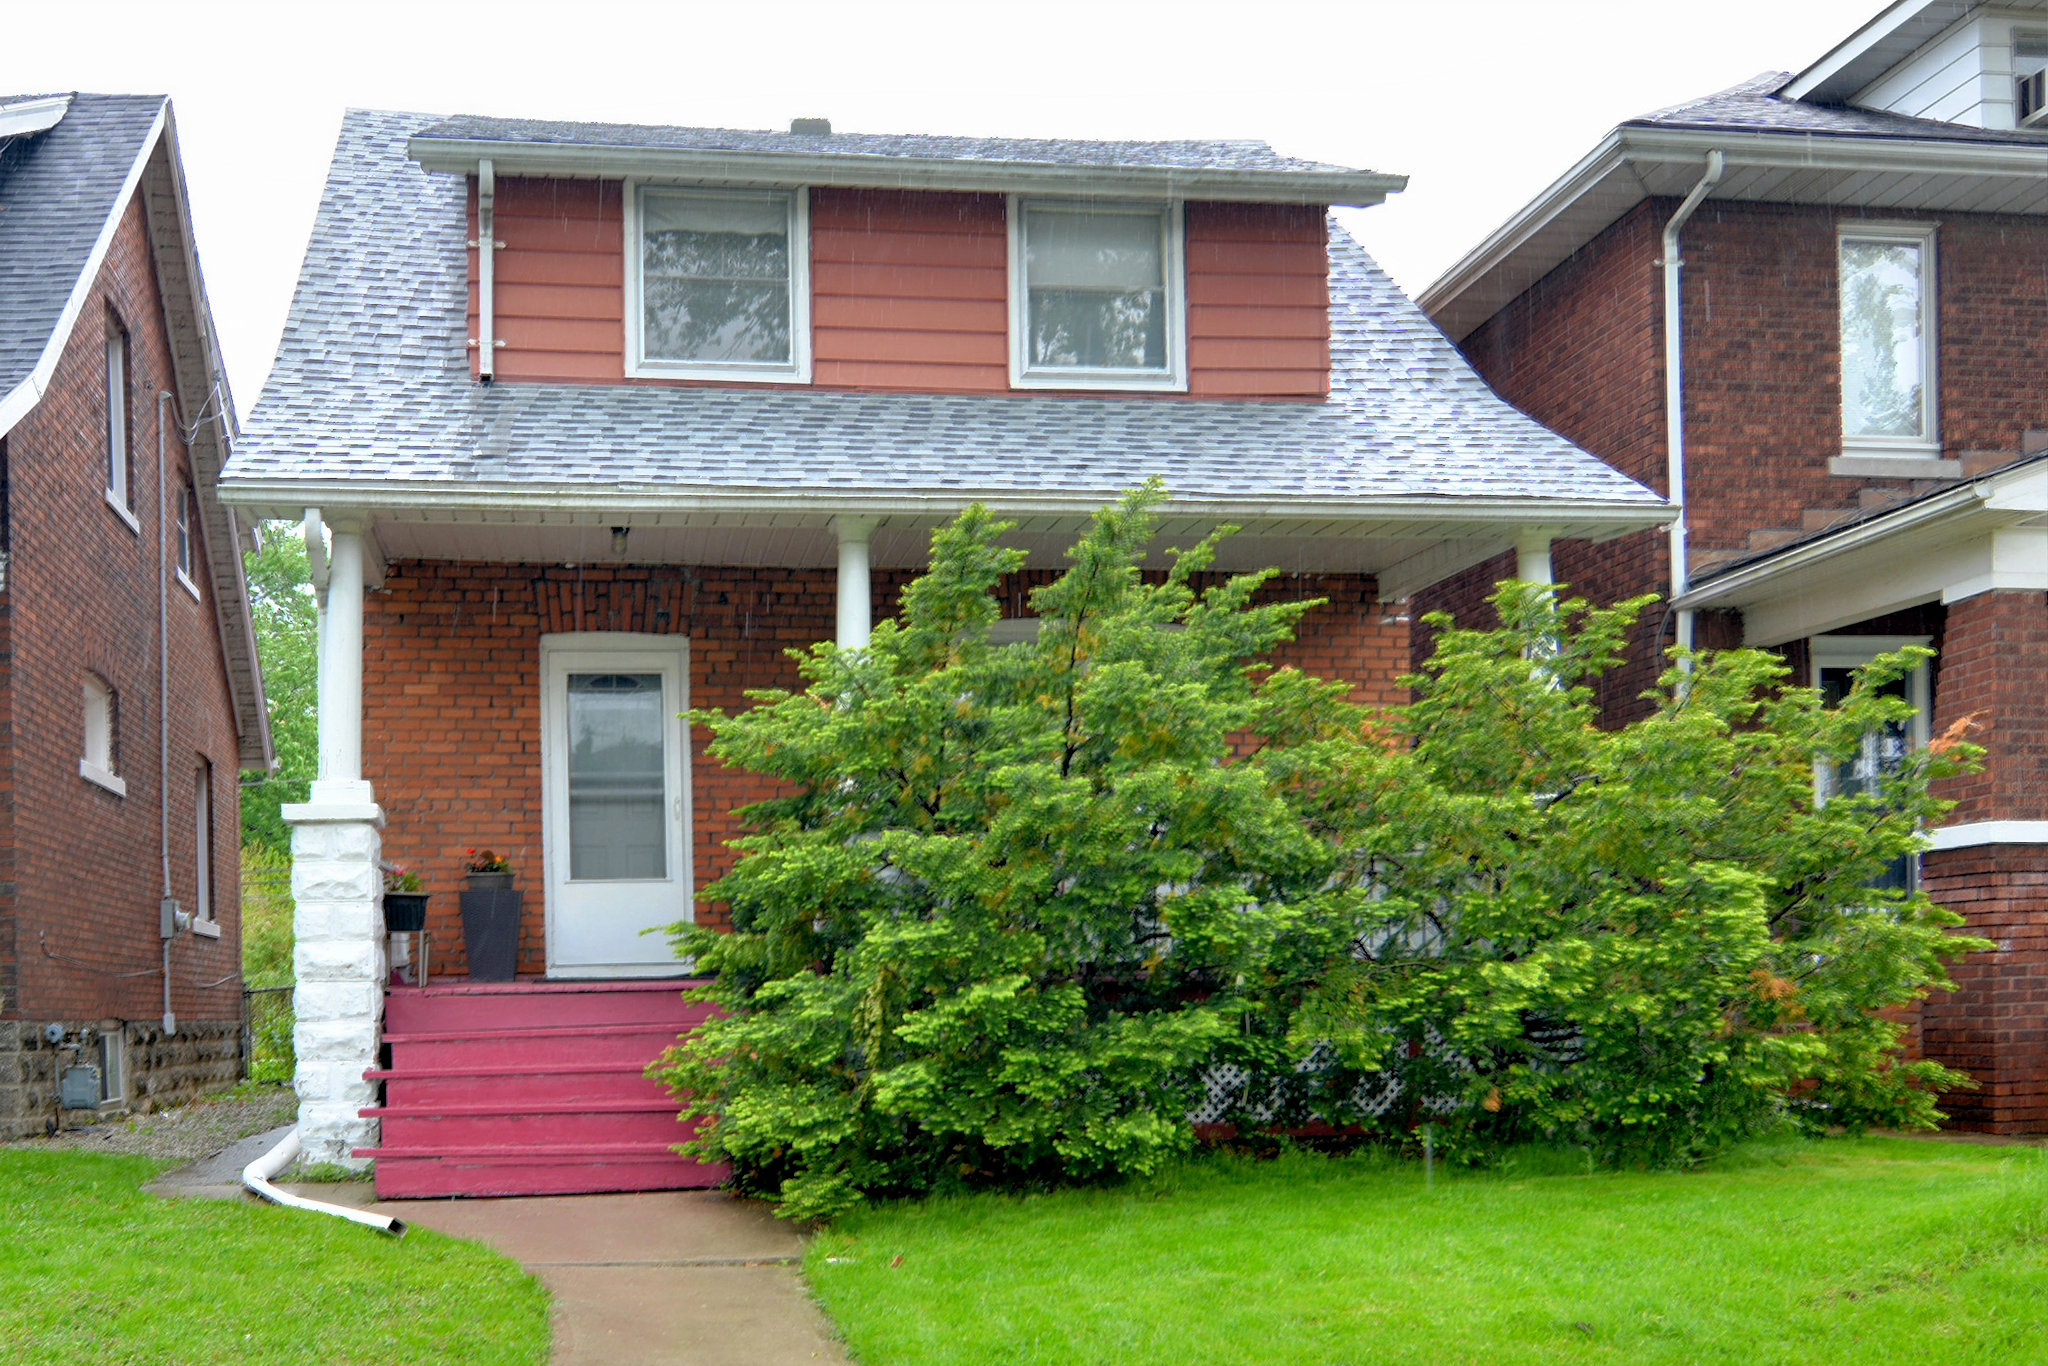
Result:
x=1348 y=189
x=265 y=497
x=1856 y=46
x=24 y=117
x=25 y=396
x=1975 y=834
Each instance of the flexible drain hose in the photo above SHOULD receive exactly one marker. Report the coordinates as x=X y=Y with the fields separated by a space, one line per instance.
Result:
x=256 y=1177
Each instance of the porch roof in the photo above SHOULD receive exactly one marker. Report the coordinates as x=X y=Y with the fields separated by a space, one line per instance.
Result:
x=371 y=405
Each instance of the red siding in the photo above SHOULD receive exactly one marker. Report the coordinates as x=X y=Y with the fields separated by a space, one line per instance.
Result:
x=910 y=292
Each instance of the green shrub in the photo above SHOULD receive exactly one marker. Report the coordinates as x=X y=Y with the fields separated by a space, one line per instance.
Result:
x=267 y=939
x=1013 y=905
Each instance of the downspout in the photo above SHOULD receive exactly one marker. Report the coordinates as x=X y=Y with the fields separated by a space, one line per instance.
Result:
x=1674 y=386
x=169 y=918
x=256 y=1177
x=486 y=244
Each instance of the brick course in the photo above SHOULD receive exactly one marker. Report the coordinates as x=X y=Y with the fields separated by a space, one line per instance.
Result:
x=79 y=870
x=452 y=735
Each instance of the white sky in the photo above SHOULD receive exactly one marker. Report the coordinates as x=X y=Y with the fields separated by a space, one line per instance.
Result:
x=1482 y=102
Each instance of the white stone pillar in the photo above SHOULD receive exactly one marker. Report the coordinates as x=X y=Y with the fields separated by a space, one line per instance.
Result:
x=1532 y=555
x=855 y=586
x=339 y=959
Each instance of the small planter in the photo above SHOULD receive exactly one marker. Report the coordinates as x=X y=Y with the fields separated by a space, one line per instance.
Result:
x=490 y=926
x=405 y=912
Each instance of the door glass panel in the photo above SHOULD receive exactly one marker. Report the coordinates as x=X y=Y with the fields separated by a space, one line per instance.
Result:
x=617 y=777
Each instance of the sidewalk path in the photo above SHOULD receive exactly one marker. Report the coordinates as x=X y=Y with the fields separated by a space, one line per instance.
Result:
x=679 y=1278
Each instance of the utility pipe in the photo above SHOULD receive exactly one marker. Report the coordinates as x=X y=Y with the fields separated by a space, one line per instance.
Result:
x=167 y=916
x=1674 y=385
x=256 y=1178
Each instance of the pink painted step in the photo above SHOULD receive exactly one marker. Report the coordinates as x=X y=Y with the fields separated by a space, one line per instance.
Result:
x=531 y=1088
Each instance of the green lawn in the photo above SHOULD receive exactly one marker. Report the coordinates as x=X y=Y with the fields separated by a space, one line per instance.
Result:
x=94 y=1270
x=1864 y=1251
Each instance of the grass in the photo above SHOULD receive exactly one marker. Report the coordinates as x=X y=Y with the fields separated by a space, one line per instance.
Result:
x=93 y=1270
x=1873 y=1250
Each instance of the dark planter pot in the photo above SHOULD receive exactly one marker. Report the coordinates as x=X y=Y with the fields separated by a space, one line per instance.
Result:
x=491 y=882
x=405 y=912
x=490 y=932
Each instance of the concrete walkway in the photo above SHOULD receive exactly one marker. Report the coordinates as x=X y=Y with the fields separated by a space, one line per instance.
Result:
x=678 y=1278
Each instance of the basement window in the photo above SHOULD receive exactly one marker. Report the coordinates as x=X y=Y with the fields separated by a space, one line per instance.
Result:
x=1097 y=296
x=718 y=285
x=1888 y=342
x=102 y=714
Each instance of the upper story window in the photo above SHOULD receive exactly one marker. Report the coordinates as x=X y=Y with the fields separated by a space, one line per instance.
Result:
x=102 y=716
x=186 y=547
x=718 y=284
x=1097 y=296
x=2030 y=77
x=1888 y=345
x=120 y=491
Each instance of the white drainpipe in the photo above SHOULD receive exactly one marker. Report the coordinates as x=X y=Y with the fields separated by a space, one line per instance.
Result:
x=486 y=245
x=256 y=1177
x=1674 y=385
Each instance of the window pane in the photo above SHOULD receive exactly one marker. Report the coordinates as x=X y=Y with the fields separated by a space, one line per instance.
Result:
x=617 y=777
x=715 y=279
x=1096 y=289
x=1883 y=389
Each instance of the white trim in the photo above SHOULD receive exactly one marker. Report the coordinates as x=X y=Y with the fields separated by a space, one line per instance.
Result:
x=93 y=773
x=1927 y=445
x=797 y=369
x=27 y=394
x=787 y=170
x=1173 y=263
x=1893 y=467
x=1851 y=49
x=1976 y=834
x=124 y=514
x=23 y=117
x=190 y=587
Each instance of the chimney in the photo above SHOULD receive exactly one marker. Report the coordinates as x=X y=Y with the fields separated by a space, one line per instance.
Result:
x=815 y=128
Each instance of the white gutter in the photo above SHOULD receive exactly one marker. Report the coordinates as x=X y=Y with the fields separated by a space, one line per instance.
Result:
x=486 y=243
x=1674 y=384
x=787 y=170
x=24 y=117
x=256 y=1177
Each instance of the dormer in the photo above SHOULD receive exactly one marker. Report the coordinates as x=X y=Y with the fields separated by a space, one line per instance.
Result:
x=604 y=253
x=1979 y=65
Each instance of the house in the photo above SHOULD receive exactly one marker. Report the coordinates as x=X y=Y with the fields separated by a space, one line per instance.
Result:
x=1813 y=311
x=130 y=696
x=588 y=424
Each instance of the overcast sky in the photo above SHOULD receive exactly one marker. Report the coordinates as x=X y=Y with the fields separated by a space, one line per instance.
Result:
x=1482 y=103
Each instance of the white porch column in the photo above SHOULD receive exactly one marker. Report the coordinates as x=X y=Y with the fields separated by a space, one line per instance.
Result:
x=1532 y=555
x=339 y=959
x=855 y=587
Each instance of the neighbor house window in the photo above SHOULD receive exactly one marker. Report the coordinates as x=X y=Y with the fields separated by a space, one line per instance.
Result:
x=1835 y=662
x=1887 y=315
x=719 y=284
x=1097 y=296
x=118 y=487
x=185 y=539
x=102 y=715
x=202 y=845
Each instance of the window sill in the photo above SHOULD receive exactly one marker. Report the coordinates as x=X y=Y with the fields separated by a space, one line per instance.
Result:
x=123 y=513
x=188 y=585
x=93 y=773
x=1866 y=465
x=1081 y=380
x=206 y=929
x=719 y=374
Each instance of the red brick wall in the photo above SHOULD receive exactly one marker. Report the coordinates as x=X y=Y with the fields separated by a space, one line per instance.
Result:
x=83 y=863
x=1994 y=666
x=1995 y=1025
x=451 y=725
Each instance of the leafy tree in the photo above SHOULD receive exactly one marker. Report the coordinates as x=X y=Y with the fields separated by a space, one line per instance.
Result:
x=1013 y=905
x=281 y=604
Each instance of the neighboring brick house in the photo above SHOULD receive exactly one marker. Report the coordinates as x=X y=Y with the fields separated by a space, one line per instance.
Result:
x=701 y=397
x=130 y=696
x=1861 y=251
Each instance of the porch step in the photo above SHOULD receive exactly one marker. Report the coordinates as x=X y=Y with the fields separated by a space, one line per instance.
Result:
x=531 y=1088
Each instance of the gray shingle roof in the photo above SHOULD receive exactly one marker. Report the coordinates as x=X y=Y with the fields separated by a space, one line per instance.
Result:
x=371 y=386
x=57 y=189
x=1187 y=155
x=1754 y=107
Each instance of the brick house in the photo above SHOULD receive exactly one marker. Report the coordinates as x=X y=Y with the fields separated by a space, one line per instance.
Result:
x=702 y=396
x=130 y=697
x=1810 y=310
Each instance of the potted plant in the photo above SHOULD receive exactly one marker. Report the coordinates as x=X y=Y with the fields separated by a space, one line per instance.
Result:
x=405 y=905
x=490 y=917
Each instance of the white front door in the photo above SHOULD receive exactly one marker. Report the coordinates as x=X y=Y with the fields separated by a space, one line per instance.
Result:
x=615 y=766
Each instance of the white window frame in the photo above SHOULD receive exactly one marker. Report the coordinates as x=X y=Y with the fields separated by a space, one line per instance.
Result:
x=797 y=369
x=1174 y=378
x=205 y=918
x=1928 y=445
x=1853 y=652
x=113 y=1070
x=188 y=539
x=101 y=704
x=119 y=467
